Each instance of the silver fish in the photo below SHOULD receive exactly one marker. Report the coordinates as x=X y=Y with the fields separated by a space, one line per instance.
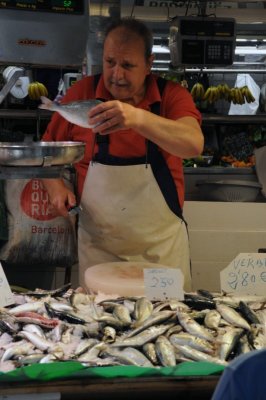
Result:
x=84 y=346
x=212 y=319
x=92 y=353
x=34 y=329
x=37 y=341
x=191 y=341
x=232 y=316
x=122 y=314
x=229 y=341
x=75 y=112
x=129 y=356
x=154 y=319
x=109 y=334
x=150 y=353
x=197 y=355
x=165 y=351
x=143 y=337
x=27 y=307
x=143 y=310
x=21 y=348
x=194 y=327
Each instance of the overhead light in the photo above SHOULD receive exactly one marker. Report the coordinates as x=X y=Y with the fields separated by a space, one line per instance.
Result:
x=249 y=50
x=160 y=49
x=240 y=50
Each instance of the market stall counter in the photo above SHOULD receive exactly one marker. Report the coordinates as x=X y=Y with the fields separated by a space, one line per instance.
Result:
x=187 y=381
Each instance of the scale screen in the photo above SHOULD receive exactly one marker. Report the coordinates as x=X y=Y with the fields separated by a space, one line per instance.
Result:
x=36 y=39
x=202 y=41
x=55 y=6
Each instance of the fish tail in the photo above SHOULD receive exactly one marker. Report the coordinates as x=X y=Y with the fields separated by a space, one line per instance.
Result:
x=47 y=104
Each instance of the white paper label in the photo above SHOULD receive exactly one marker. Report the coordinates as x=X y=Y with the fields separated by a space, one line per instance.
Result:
x=6 y=296
x=245 y=274
x=163 y=283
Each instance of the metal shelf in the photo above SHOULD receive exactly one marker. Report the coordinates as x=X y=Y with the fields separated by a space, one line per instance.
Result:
x=233 y=119
x=25 y=113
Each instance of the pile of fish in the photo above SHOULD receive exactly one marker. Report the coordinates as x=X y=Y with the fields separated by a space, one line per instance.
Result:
x=61 y=325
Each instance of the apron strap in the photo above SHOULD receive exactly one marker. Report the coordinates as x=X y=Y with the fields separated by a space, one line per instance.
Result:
x=159 y=166
x=96 y=79
x=153 y=156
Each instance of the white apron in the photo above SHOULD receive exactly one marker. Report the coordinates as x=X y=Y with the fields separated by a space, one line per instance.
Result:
x=126 y=218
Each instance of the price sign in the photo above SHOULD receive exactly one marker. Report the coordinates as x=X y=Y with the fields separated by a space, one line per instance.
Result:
x=245 y=274
x=6 y=296
x=163 y=283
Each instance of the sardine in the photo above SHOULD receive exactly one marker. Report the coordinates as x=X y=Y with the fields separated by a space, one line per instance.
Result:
x=36 y=340
x=109 y=334
x=129 y=356
x=122 y=313
x=27 y=307
x=198 y=302
x=34 y=329
x=150 y=352
x=8 y=323
x=165 y=351
x=143 y=337
x=194 y=327
x=192 y=341
x=21 y=348
x=53 y=293
x=64 y=316
x=212 y=319
x=229 y=341
x=85 y=345
x=249 y=314
x=75 y=112
x=154 y=319
x=143 y=310
x=92 y=353
x=197 y=355
x=232 y=316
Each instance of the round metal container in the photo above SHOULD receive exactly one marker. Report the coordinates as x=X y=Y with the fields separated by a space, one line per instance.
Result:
x=40 y=153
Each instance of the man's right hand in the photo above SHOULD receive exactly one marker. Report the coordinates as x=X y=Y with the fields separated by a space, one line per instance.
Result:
x=60 y=196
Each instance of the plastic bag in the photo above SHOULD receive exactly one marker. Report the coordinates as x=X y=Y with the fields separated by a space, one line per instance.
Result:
x=246 y=108
x=35 y=235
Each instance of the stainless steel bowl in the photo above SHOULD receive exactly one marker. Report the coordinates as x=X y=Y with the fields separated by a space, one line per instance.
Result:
x=40 y=153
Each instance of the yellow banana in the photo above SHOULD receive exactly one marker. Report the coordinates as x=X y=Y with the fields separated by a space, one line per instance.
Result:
x=197 y=91
x=36 y=90
x=247 y=94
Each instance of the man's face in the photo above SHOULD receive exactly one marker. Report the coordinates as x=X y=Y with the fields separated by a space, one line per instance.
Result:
x=125 y=66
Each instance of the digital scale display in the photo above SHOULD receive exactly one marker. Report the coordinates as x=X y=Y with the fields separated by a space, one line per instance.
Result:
x=54 y=6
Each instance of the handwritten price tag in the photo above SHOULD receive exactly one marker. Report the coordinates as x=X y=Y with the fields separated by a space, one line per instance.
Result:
x=245 y=274
x=6 y=296
x=163 y=283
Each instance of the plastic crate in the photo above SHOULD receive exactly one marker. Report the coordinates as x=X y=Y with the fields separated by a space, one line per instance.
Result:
x=229 y=190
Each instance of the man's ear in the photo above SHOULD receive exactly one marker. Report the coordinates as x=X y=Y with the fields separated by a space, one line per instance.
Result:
x=150 y=62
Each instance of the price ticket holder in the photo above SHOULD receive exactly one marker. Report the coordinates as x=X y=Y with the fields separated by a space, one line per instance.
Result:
x=246 y=274
x=163 y=283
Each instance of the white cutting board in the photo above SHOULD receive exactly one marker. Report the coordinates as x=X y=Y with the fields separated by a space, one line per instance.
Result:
x=123 y=278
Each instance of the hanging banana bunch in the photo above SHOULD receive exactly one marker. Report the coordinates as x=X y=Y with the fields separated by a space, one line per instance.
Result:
x=197 y=91
x=236 y=96
x=247 y=94
x=224 y=91
x=36 y=90
x=211 y=95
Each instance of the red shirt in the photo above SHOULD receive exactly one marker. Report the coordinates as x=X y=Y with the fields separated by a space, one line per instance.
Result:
x=176 y=102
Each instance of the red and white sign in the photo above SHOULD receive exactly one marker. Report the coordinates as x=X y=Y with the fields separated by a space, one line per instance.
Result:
x=34 y=201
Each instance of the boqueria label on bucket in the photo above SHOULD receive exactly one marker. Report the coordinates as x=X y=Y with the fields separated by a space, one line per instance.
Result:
x=34 y=201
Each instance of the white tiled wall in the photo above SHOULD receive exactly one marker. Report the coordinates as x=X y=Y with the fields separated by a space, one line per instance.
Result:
x=218 y=232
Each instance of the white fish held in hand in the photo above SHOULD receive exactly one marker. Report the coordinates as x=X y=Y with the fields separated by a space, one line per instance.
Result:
x=75 y=112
